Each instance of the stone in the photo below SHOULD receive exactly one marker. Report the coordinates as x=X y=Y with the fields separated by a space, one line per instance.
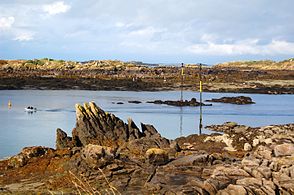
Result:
x=26 y=154
x=255 y=142
x=229 y=172
x=249 y=181
x=157 y=156
x=97 y=156
x=251 y=162
x=263 y=152
x=232 y=190
x=265 y=171
x=247 y=147
x=284 y=149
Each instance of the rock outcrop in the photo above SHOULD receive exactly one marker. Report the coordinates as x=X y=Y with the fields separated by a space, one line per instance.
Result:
x=192 y=102
x=233 y=100
x=107 y=155
x=95 y=126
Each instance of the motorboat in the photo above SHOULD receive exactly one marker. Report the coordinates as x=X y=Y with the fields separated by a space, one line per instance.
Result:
x=30 y=109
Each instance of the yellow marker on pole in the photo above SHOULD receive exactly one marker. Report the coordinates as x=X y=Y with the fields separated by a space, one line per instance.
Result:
x=9 y=104
x=182 y=71
x=200 y=84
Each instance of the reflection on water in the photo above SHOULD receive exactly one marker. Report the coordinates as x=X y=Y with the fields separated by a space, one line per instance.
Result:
x=55 y=109
x=181 y=121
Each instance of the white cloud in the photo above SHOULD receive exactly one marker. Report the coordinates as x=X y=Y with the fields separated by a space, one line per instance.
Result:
x=6 y=22
x=244 y=47
x=145 y=32
x=24 y=36
x=56 y=8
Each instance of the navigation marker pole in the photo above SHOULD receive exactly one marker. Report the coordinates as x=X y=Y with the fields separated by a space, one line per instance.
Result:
x=200 y=93
x=182 y=80
x=181 y=108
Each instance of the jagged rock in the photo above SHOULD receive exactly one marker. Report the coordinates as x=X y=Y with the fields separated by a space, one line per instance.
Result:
x=97 y=156
x=156 y=156
x=95 y=126
x=284 y=149
x=233 y=100
x=62 y=140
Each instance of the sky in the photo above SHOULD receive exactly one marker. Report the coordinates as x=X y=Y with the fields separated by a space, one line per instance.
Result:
x=153 y=31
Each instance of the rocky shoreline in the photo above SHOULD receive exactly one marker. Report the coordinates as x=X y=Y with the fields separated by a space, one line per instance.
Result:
x=104 y=155
x=52 y=74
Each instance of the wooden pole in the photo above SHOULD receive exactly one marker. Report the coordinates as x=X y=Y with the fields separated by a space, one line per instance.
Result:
x=200 y=94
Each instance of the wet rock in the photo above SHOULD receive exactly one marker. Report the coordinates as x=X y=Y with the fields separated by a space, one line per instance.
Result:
x=157 y=156
x=233 y=100
x=285 y=149
x=134 y=102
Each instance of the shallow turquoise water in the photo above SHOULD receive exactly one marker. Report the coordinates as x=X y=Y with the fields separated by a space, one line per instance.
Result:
x=56 y=110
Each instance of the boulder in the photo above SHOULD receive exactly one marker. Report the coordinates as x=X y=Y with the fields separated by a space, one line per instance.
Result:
x=232 y=190
x=26 y=154
x=284 y=149
x=247 y=147
x=157 y=156
x=97 y=156
x=263 y=152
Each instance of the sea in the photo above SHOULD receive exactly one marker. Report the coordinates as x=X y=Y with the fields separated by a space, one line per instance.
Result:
x=56 y=109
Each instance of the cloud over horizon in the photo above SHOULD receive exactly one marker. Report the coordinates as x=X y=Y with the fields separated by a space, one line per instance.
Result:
x=154 y=31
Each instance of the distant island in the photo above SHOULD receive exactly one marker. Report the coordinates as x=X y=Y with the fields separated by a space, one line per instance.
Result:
x=268 y=77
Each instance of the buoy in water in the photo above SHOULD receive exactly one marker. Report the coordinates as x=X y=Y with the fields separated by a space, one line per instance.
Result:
x=9 y=104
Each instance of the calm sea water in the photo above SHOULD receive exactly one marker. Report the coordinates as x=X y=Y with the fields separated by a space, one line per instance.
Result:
x=56 y=110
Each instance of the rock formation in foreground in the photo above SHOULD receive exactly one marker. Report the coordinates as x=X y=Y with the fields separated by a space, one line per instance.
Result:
x=107 y=156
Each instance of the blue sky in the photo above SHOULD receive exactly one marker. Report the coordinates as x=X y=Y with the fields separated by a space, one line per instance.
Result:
x=165 y=31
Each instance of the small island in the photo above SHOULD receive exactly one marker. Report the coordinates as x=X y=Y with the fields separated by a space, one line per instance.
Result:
x=240 y=100
x=179 y=103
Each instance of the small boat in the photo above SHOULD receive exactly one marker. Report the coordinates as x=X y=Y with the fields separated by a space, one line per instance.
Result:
x=30 y=109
